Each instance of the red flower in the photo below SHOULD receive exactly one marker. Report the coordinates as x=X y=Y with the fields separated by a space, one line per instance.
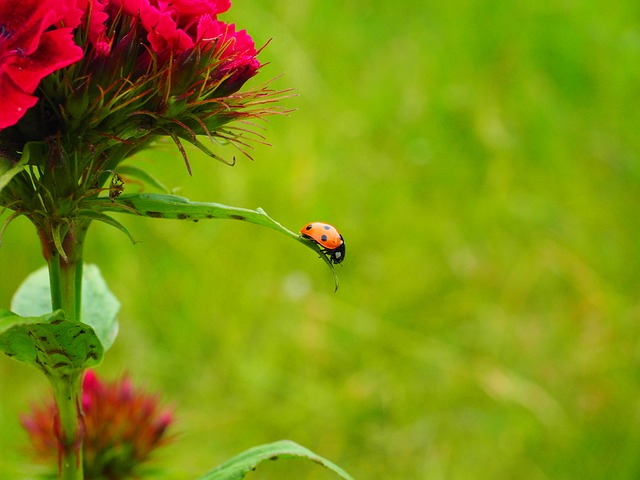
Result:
x=162 y=30
x=236 y=51
x=97 y=29
x=30 y=50
x=172 y=25
x=150 y=68
x=123 y=426
x=191 y=8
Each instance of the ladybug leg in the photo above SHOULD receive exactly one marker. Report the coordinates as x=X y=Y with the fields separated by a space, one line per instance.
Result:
x=324 y=252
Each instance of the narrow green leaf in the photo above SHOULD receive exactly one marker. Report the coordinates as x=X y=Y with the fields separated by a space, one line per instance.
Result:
x=104 y=218
x=237 y=467
x=99 y=306
x=208 y=152
x=180 y=208
x=57 y=241
x=35 y=153
x=56 y=346
x=8 y=169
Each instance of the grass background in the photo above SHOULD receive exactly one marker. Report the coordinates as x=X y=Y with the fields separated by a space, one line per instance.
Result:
x=481 y=160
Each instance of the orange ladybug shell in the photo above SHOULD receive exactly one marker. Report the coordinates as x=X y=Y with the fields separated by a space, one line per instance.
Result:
x=323 y=233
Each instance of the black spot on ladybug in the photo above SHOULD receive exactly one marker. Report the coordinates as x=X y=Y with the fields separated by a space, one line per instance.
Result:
x=327 y=227
x=309 y=227
x=324 y=238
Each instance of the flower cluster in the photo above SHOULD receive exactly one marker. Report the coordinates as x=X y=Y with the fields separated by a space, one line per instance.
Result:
x=84 y=84
x=123 y=426
x=124 y=43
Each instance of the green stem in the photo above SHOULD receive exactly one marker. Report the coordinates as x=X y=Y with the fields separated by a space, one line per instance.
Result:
x=65 y=278
x=54 y=281
x=69 y=426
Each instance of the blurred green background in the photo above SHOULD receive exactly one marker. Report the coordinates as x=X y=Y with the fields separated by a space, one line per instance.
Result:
x=481 y=160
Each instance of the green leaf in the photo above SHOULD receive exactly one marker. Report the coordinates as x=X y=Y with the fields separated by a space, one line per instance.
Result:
x=99 y=306
x=58 y=347
x=237 y=467
x=104 y=218
x=180 y=208
x=174 y=207
x=8 y=170
x=31 y=150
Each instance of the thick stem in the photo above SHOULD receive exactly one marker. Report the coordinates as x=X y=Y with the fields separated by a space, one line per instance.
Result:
x=65 y=274
x=65 y=278
x=69 y=426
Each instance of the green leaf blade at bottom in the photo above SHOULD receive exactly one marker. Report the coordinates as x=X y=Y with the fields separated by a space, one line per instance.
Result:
x=237 y=467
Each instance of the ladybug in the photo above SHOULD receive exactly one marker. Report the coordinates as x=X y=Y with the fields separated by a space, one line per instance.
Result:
x=327 y=237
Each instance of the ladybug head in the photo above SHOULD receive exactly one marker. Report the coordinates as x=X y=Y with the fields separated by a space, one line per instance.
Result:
x=337 y=254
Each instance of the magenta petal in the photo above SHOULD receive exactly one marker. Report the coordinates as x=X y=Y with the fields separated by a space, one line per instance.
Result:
x=195 y=8
x=56 y=50
x=15 y=102
x=31 y=50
